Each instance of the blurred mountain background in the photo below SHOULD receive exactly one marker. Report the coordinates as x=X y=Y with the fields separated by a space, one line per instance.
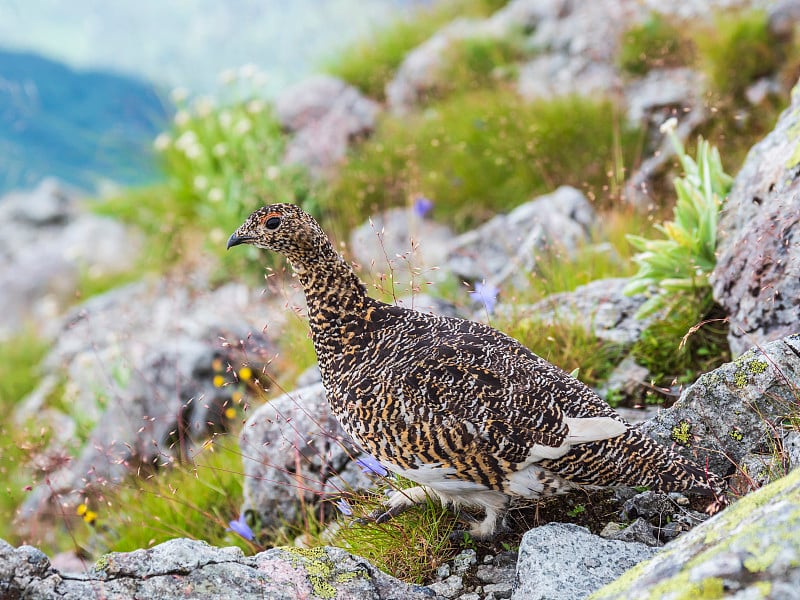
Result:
x=84 y=84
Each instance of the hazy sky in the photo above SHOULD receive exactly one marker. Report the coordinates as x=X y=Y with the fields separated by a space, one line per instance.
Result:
x=189 y=42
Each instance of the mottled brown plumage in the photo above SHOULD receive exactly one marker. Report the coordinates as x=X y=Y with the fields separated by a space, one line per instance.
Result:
x=456 y=406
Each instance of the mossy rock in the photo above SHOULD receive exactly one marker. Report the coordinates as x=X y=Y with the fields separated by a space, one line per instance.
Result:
x=736 y=409
x=750 y=550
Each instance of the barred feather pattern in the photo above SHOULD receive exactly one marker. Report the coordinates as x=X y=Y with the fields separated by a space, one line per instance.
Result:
x=457 y=403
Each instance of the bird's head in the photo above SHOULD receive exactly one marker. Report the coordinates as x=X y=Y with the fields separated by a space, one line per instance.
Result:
x=283 y=228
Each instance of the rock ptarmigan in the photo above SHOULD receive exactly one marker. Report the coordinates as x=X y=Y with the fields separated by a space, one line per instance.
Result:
x=466 y=412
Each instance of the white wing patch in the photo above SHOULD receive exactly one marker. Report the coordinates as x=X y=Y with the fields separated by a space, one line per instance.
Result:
x=593 y=429
x=581 y=431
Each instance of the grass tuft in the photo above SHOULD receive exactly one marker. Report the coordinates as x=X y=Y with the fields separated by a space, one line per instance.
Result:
x=737 y=50
x=658 y=42
x=484 y=152
x=372 y=62
x=196 y=499
x=410 y=546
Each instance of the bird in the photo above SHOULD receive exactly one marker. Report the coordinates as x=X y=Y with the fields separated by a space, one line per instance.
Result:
x=464 y=411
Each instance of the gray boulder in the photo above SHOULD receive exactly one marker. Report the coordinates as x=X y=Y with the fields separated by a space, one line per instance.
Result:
x=505 y=247
x=48 y=243
x=184 y=568
x=324 y=115
x=140 y=363
x=757 y=277
x=295 y=452
x=749 y=550
x=561 y=560
x=734 y=410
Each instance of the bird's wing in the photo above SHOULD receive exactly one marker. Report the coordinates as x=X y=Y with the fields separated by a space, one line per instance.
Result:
x=509 y=405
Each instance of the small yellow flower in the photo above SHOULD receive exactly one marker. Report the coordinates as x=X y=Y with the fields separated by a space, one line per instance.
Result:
x=219 y=381
x=89 y=516
x=237 y=396
x=216 y=364
x=245 y=373
x=230 y=413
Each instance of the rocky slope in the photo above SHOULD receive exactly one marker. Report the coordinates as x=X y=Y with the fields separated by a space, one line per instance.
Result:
x=165 y=337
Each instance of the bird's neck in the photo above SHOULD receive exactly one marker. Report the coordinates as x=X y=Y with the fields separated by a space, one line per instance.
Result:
x=332 y=288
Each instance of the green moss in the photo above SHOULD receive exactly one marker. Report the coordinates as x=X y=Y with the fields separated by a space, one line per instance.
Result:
x=736 y=435
x=479 y=153
x=747 y=365
x=350 y=576
x=706 y=589
x=103 y=562
x=318 y=566
x=759 y=562
x=764 y=588
x=793 y=135
x=733 y=531
x=682 y=433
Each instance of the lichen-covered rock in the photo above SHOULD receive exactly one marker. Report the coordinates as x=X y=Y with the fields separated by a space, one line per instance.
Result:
x=564 y=561
x=294 y=452
x=736 y=409
x=757 y=277
x=192 y=569
x=505 y=247
x=749 y=550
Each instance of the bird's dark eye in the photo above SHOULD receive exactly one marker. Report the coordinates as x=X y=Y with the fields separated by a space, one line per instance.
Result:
x=273 y=222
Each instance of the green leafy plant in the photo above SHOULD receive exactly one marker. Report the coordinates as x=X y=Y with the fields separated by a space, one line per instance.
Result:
x=576 y=510
x=678 y=267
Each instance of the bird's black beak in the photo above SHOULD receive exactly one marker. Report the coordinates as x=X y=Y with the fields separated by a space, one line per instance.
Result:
x=235 y=240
